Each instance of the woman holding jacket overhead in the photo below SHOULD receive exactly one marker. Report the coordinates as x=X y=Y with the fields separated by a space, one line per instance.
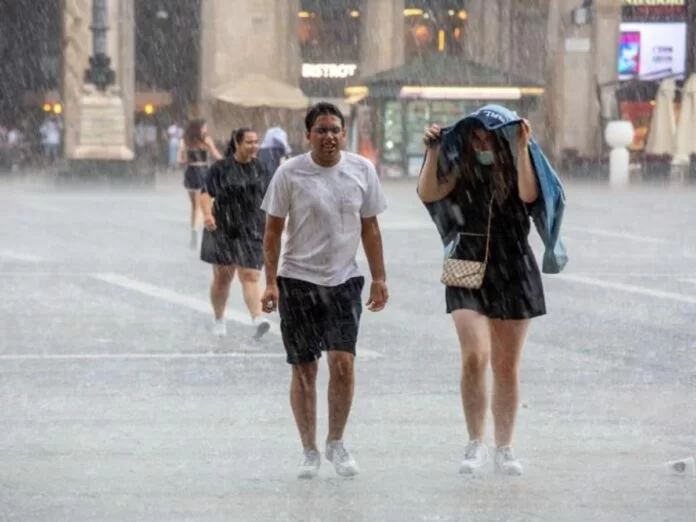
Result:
x=233 y=240
x=492 y=282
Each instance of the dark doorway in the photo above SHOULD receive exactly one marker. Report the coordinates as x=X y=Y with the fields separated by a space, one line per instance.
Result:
x=30 y=52
x=167 y=49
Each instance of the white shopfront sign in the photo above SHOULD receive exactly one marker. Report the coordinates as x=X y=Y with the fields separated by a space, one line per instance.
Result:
x=329 y=70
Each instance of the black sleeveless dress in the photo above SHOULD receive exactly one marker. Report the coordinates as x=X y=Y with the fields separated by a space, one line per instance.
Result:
x=512 y=286
x=238 y=190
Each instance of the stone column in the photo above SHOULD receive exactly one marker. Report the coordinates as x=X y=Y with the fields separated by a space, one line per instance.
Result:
x=553 y=97
x=491 y=35
x=98 y=124
x=125 y=73
x=382 y=36
x=690 y=38
x=76 y=48
x=475 y=31
x=287 y=47
x=244 y=37
x=605 y=48
x=207 y=58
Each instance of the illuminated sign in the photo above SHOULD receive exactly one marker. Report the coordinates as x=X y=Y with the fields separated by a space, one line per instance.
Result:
x=653 y=11
x=652 y=51
x=329 y=70
x=655 y=3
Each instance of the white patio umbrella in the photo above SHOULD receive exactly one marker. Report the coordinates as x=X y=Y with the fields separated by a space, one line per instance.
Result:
x=663 y=126
x=686 y=128
x=258 y=90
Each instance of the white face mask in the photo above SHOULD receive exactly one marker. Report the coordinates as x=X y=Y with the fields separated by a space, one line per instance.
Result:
x=485 y=157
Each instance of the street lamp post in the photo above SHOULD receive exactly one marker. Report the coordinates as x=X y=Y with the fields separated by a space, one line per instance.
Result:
x=104 y=149
x=100 y=73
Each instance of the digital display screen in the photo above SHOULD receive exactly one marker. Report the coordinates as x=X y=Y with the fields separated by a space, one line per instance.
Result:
x=651 y=51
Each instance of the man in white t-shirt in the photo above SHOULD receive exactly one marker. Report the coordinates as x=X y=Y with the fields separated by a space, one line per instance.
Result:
x=331 y=200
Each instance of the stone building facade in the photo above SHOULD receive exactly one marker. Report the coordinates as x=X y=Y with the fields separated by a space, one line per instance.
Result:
x=533 y=39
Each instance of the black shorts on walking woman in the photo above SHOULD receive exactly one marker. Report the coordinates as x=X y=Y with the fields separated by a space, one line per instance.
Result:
x=194 y=177
x=237 y=190
x=512 y=286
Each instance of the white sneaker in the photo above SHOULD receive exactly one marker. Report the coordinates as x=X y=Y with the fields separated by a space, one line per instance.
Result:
x=262 y=325
x=475 y=457
x=309 y=468
x=220 y=328
x=506 y=463
x=338 y=455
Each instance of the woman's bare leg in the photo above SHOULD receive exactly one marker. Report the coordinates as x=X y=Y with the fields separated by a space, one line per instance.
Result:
x=507 y=342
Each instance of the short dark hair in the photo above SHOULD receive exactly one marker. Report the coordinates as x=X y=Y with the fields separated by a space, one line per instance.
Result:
x=322 y=109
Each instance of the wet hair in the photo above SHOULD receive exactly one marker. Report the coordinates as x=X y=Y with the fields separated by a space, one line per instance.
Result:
x=193 y=135
x=503 y=172
x=322 y=109
x=235 y=139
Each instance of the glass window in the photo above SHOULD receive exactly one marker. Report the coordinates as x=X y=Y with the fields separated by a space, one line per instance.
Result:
x=418 y=118
x=330 y=32
x=393 y=141
x=433 y=26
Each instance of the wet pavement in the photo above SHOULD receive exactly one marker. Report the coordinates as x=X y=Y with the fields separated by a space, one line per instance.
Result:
x=117 y=405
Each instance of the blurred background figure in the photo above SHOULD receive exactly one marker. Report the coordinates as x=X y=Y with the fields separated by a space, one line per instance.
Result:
x=174 y=135
x=194 y=151
x=275 y=149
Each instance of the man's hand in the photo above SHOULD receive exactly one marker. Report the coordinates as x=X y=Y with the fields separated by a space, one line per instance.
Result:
x=379 y=295
x=269 y=300
x=209 y=222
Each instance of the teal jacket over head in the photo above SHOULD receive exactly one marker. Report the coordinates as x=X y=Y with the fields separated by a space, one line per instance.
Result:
x=547 y=212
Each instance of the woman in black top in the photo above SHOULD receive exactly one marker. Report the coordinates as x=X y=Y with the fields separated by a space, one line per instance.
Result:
x=486 y=195
x=233 y=240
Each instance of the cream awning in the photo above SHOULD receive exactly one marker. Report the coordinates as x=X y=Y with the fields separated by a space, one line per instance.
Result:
x=662 y=124
x=686 y=128
x=257 y=90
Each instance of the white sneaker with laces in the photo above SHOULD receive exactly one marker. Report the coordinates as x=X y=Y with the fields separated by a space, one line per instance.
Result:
x=343 y=462
x=475 y=457
x=506 y=463
x=220 y=328
x=311 y=460
x=262 y=325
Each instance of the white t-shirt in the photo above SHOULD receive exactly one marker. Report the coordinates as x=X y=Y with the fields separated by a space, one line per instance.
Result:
x=50 y=133
x=174 y=133
x=325 y=207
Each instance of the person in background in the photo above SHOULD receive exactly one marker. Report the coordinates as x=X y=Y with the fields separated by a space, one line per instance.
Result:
x=174 y=135
x=274 y=148
x=50 y=132
x=194 y=148
x=331 y=200
x=233 y=238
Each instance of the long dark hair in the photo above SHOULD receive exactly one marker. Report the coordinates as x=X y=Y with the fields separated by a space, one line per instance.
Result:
x=235 y=139
x=193 y=135
x=503 y=169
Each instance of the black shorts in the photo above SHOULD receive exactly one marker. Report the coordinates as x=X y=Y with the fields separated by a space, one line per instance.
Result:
x=316 y=318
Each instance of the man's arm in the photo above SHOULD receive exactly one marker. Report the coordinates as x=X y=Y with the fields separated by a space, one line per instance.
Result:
x=276 y=205
x=271 y=247
x=372 y=243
